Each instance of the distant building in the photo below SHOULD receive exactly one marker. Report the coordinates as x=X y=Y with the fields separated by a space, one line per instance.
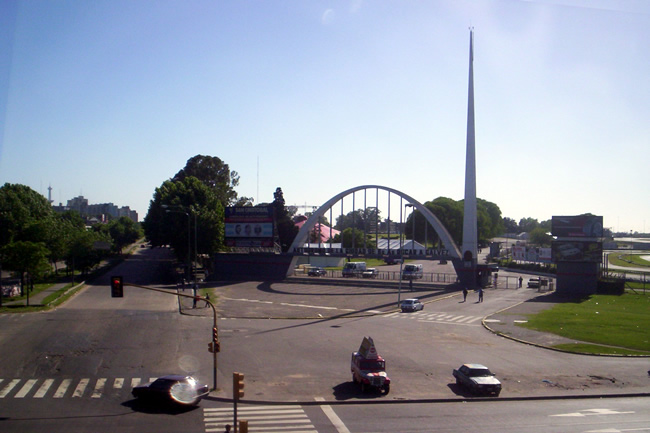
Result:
x=104 y=210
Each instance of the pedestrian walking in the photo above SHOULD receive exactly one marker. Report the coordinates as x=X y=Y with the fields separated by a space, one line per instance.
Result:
x=207 y=299
x=227 y=428
x=521 y=281
x=465 y=294
x=480 y=294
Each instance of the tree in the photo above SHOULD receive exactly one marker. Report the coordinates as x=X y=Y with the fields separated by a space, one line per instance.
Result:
x=354 y=238
x=216 y=175
x=20 y=208
x=81 y=254
x=510 y=225
x=365 y=220
x=124 y=231
x=539 y=236
x=178 y=206
x=528 y=224
x=25 y=257
x=287 y=230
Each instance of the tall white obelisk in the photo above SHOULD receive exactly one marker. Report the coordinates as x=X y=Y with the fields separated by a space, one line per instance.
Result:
x=470 y=232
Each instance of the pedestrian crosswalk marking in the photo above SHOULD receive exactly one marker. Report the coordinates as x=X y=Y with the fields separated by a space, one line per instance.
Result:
x=7 y=389
x=26 y=388
x=437 y=317
x=270 y=419
x=44 y=388
x=41 y=388
x=99 y=387
x=81 y=387
x=60 y=392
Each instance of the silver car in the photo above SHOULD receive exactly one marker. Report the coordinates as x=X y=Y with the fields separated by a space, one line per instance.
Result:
x=411 y=305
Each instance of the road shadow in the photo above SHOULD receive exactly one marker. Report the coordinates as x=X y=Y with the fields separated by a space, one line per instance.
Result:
x=349 y=390
x=461 y=391
x=158 y=407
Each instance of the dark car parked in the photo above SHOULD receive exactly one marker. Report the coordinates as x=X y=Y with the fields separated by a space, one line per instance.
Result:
x=176 y=389
x=316 y=272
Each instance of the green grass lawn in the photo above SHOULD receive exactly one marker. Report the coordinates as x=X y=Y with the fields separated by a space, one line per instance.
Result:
x=619 y=322
x=629 y=260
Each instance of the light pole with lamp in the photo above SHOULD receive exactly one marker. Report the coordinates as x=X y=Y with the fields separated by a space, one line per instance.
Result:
x=401 y=261
x=189 y=226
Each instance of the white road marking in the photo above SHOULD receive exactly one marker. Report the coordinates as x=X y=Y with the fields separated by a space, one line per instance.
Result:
x=333 y=417
x=44 y=388
x=81 y=387
x=26 y=388
x=60 y=392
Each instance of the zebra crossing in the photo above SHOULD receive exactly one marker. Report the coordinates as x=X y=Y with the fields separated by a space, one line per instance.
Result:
x=261 y=419
x=67 y=387
x=438 y=317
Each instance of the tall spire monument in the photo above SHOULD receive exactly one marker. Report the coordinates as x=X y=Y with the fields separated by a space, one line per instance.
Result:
x=470 y=232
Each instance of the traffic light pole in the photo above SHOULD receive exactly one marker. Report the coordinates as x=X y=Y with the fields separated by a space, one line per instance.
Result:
x=214 y=313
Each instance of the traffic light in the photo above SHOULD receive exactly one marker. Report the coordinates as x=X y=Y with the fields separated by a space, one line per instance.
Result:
x=211 y=347
x=238 y=385
x=117 y=287
x=215 y=334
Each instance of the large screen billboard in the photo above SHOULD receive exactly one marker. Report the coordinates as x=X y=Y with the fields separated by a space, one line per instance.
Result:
x=249 y=226
x=579 y=226
x=579 y=251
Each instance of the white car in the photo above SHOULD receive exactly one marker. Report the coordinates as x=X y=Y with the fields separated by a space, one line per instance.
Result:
x=411 y=305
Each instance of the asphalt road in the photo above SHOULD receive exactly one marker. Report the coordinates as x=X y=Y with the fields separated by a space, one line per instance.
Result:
x=72 y=369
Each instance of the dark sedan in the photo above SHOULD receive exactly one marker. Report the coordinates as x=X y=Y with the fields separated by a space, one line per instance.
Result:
x=177 y=389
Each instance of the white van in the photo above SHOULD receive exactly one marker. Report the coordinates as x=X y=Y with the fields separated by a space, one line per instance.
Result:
x=412 y=271
x=354 y=269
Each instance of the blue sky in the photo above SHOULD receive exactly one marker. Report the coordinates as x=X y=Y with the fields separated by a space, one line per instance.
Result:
x=108 y=99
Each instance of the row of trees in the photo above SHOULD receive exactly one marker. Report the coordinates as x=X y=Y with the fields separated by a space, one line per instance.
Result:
x=34 y=238
x=187 y=211
x=355 y=224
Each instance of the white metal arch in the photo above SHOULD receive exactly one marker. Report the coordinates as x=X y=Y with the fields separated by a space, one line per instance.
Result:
x=442 y=232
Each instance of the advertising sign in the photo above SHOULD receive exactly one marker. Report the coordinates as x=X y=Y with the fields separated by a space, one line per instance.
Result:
x=580 y=226
x=579 y=251
x=249 y=226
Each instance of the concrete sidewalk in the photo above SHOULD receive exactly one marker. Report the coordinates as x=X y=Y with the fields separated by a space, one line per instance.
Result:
x=37 y=299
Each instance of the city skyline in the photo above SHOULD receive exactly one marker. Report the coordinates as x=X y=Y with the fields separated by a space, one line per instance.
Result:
x=109 y=100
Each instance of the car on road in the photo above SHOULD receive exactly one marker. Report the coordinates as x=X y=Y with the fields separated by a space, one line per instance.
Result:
x=534 y=283
x=411 y=305
x=174 y=388
x=370 y=273
x=316 y=272
x=478 y=379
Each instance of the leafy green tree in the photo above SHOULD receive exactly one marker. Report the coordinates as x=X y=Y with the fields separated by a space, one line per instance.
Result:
x=183 y=204
x=25 y=257
x=510 y=225
x=539 y=236
x=528 y=224
x=81 y=254
x=287 y=230
x=124 y=231
x=354 y=238
x=365 y=220
x=216 y=175
x=20 y=208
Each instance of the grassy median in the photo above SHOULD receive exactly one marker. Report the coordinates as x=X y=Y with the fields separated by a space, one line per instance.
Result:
x=605 y=324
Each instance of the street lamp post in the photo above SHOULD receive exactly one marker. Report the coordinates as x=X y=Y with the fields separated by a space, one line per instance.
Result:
x=189 y=231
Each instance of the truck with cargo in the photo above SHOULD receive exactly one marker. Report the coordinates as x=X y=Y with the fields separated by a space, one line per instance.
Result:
x=368 y=368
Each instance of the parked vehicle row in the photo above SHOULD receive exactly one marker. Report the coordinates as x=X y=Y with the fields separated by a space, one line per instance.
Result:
x=369 y=372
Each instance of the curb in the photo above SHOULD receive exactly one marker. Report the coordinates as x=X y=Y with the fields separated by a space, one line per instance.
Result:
x=427 y=400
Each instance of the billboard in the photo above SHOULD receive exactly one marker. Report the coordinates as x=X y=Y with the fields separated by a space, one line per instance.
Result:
x=249 y=227
x=578 y=251
x=579 y=226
